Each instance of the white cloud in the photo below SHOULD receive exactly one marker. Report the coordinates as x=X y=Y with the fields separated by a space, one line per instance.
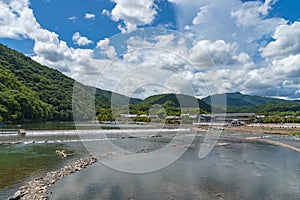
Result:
x=106 y=49
x=133 y=13
x=267 y=6
x=234 y=38
x=72 y=18
x=244 y=23
x=105 y=12
x=287 y=67
x=287 y=42
x=80 y=40
x=89 y=16
x=16 y=19
x=221 y=52
x=231 y=40
x=204 y=10
x=252 y=13
x=279 y=78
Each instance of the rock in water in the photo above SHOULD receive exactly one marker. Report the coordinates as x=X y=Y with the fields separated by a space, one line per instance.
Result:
x=17 y=195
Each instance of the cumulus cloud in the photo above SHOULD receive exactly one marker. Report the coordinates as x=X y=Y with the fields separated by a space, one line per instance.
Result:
x=133 y=13
x=80 y=40
x=282 y=71
x=89 y=16
x=286 y=42
x=246 y=23
x=204 y=10
x=17 y=20
x=106 y=49
x=278 y=78
x=221 y=52
x=252 y=13
x=232 y=40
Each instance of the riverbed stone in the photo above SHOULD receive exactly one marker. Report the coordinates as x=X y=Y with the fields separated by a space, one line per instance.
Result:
x=37 y=189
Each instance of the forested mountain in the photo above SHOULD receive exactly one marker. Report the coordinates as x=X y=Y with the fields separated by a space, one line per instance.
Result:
x=18 y=102
x=239 y=99
x=268 y=108
x=237 y=102
x=172 y=103
x=31 y=92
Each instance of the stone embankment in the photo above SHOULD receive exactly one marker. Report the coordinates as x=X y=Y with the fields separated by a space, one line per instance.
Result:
x=37 y=189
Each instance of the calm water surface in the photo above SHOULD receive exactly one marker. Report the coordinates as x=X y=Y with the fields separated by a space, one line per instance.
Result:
x=241 y=170
x=237 y=171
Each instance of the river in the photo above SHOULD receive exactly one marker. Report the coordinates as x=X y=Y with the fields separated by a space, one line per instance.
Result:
x=237 y=170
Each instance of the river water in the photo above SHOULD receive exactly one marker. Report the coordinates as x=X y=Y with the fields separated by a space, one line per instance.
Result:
x=234 y=169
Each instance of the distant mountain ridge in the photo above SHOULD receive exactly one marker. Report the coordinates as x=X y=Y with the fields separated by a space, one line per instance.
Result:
x=239 y=99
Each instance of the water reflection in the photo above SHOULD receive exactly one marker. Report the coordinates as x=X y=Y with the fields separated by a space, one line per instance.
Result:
x=237 y=171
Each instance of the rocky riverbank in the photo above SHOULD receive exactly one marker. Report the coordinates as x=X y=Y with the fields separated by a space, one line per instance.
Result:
x=37 y=189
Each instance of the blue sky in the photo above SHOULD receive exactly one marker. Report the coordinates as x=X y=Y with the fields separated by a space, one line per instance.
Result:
x=232 y=45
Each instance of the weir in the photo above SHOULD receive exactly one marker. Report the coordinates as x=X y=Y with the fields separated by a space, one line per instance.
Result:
x=13 y=131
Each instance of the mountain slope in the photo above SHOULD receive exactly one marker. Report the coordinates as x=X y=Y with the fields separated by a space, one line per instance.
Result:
x=48 y=86
x=173 y=100
x=238 y=99
x=18 y=103
x=269 y=108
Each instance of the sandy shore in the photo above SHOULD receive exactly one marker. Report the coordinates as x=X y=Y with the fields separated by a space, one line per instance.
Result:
x=258 y=128
x=267 y=128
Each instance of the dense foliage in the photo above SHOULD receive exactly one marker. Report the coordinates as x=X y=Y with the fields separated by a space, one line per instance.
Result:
x=285 y=112
x=269 y=108
x=18 y=103
x=238 y=99
x=172 y=104
x=31 y=92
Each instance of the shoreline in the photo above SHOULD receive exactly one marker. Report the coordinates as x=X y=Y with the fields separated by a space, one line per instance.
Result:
x=269 y=129
x=275 y=143
x=37 y=189
x=283 y=129
x=266 y=128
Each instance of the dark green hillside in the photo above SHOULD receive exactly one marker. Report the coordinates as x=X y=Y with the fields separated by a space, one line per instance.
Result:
x=172 y=103
x=238 y=99
x=18 y=103
x=49 y=85
x=269 y=108
x=45 y=86
x=179 y=100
